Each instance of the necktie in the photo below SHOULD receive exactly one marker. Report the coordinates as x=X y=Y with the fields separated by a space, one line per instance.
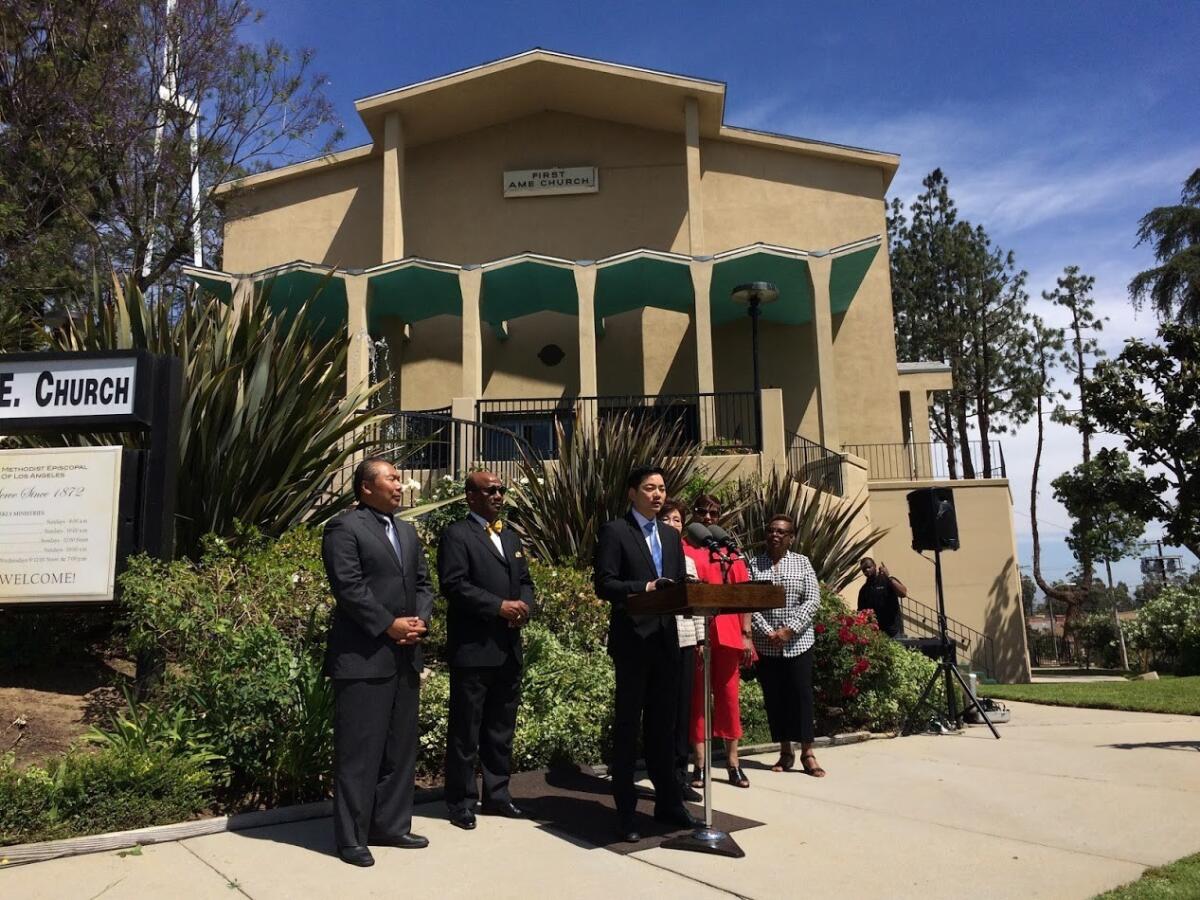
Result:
x=497 y=526
x=390 y=527
x=655 y=547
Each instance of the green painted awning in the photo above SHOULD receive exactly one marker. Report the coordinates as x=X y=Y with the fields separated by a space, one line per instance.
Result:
x=526 y=287
x=789 y=274
x=412 y=293
x=214 y=287
x=846 y=277
x=325 y=294
x=643 y=281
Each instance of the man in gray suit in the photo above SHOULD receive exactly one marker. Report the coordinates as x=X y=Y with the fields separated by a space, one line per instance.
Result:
x=379 y=578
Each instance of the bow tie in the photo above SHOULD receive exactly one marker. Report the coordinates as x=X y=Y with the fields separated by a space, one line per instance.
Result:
x=496 y=526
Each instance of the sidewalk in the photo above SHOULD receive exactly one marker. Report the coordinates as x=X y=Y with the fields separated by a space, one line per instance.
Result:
x=1069 y=803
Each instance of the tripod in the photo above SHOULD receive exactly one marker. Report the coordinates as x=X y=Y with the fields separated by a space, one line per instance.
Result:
x=946 y=668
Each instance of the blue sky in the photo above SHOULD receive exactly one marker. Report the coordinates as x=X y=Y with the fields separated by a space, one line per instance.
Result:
x=1059 y=124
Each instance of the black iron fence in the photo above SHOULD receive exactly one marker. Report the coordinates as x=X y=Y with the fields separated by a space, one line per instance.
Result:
x=975 y=648
x=431 y=447
x=934 y=460
x=722 y=422
x=815 y=464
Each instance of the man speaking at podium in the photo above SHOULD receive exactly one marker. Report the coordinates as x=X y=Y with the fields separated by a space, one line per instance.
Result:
x=633 y=555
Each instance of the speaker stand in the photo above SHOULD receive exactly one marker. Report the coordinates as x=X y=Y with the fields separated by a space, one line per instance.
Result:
x=947 y=669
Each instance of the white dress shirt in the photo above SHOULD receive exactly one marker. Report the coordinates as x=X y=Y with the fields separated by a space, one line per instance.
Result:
x=491 y=534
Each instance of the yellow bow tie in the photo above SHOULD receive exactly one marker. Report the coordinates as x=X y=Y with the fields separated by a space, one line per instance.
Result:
x=497 y=526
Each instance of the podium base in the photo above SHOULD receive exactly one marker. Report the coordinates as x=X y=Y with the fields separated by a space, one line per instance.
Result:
x=706 y=840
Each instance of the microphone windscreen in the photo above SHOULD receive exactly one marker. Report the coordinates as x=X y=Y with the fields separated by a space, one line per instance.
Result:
x=723 y=536
x=698 y=535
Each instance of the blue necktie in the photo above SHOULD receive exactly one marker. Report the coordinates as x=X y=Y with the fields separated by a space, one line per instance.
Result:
x=655 y=547
x=394 y=539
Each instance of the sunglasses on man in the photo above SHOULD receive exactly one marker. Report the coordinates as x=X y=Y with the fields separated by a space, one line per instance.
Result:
x=491 y=489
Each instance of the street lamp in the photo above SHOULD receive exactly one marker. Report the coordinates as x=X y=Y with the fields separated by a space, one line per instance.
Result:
x=753 y=295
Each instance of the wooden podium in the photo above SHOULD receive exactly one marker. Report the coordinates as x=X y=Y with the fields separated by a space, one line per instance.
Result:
x=707 y=600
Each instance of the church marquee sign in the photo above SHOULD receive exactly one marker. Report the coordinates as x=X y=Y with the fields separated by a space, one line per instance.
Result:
x=551 y=180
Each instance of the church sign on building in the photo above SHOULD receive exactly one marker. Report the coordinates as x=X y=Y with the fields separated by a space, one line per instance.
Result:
x=551 y=180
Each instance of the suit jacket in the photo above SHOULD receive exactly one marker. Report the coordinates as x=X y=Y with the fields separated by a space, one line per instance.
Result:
x=623 y=565
x=372 y=589
x=474 y=579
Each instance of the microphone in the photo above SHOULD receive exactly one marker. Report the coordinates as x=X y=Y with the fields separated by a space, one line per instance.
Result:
x=700 y=536
x=723 y=538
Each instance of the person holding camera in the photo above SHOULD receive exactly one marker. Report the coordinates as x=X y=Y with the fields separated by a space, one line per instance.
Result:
x=881 y=593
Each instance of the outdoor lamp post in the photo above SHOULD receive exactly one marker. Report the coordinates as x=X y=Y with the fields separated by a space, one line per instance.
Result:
x=753 y=296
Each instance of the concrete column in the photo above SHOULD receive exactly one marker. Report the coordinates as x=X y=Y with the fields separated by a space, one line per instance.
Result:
x=691 y=130
x=393 y=188
x=585 y=287
x=922 y=462
x=358 y=357
x=705 y=380
x=470 y=283
x=465 y=455
x=774 y=436
x=243 y=292
x=819 y=269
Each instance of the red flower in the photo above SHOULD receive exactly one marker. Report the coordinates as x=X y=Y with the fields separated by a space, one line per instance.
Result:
x=819 y=628
x=861 y=618
x=848 y=689
x=874 y=627
x=845 y=635
x=864 y=640
x=861 y=666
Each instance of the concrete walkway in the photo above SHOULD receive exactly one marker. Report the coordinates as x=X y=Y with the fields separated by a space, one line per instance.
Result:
x=1071 y=802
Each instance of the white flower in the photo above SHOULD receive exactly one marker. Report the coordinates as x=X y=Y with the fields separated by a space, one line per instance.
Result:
x=412 y=485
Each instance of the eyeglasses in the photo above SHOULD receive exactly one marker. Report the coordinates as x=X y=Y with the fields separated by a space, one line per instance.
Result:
x=783 y=531
x=492 y=489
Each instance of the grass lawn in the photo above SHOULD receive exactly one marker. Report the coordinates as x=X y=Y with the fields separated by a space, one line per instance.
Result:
x=1168 y=695
x=1180 y=879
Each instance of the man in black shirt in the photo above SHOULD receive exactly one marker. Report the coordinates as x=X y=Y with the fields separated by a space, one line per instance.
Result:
x=881 y=593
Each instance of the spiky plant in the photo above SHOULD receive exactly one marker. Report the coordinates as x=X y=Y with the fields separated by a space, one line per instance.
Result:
x=827 y=527
x=266 y=425
x=559 y=506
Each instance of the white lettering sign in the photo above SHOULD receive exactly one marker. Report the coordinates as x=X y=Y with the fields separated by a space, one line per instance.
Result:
x=58 y=523
x=551 y=180
x=32 y=389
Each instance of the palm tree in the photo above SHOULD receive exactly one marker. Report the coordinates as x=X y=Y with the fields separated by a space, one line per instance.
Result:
x=1173 y=287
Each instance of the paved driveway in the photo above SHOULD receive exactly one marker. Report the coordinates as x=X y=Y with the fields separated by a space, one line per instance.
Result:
x=1070 y=802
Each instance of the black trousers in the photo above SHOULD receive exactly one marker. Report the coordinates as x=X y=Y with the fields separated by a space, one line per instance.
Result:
x=374 y=757
x=483 y=717
x=683 y=745
x=647 y=699
x=788 y=695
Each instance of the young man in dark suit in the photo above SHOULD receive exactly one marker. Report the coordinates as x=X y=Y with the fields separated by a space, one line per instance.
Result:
x=377 y=572
x=484 y=576
x=632 y=554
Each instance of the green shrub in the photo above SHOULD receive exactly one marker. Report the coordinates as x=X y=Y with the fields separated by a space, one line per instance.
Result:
x=56 y=637
x=1099 y=644
x=569 y=607
x=89 y=793
x=433 y=716
x=755 y=729
x=1167 y=630
x=242 y=633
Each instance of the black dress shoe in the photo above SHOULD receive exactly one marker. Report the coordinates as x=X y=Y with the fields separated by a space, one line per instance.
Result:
x=404 y=842
x=677 y=816
x=629 y=834
x=505 y=808
x=690 y=794
x=463 y=818
x=356 y=856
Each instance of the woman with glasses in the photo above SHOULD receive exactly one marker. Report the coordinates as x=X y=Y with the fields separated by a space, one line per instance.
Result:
x=731 y=649
x=784 y=640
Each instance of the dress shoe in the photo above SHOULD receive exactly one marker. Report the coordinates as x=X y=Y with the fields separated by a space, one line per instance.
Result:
x=690 y=794
x=629 y=834
x=505 y=808
x=463 y=818
x=356 y=856
x=677 y=816
x=404 y=842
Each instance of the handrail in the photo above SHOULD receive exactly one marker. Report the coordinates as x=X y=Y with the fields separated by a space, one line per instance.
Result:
x=815 y=464
x=934 y=460
x=981 y=647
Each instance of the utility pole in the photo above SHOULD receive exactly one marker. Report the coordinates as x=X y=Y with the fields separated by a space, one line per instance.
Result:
x=1117 y=616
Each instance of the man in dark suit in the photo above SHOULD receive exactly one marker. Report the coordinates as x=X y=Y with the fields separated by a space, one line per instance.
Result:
x=377 y=571
x=484 y=577
x=632 y=554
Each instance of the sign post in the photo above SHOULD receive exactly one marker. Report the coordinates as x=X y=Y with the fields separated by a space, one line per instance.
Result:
x=71 y=516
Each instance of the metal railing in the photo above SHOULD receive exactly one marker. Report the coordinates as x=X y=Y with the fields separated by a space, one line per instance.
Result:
x=978 y=648
x=721 y=422
x=431 y=446
x=934 y=460
x=815 y=464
